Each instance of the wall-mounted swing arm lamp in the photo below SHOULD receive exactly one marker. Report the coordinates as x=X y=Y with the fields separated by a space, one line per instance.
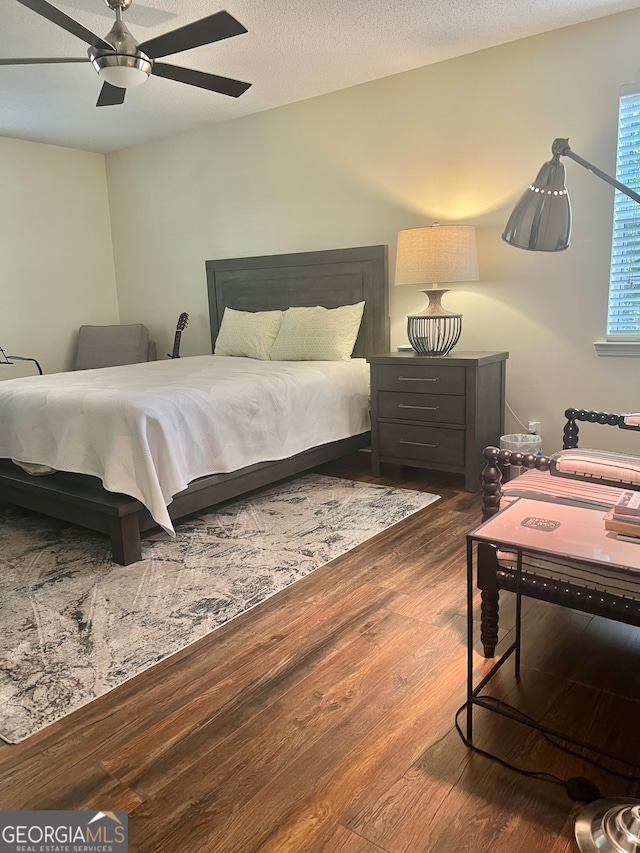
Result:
x=541 y=220
x=6 y=359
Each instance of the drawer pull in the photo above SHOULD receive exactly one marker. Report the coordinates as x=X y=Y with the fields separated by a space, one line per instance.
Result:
x=416 y=443
x=422 y=408
x=418 y=379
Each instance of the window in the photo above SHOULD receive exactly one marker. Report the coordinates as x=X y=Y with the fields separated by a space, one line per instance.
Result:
x=623 y=320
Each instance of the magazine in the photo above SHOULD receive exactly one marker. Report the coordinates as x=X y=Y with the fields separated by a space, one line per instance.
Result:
x=628 y=504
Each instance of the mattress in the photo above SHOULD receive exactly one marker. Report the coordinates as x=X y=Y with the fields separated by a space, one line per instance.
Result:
x=147 y=430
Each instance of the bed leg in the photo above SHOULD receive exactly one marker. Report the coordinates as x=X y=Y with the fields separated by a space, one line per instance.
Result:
x=490 y=599
x=124 y=534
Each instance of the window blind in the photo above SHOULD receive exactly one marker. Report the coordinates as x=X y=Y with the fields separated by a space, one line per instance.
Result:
x=623 y=319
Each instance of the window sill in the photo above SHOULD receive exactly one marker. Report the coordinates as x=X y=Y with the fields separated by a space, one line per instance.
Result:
x=618 y=348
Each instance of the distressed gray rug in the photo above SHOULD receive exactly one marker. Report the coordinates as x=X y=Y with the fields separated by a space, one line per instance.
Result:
x=75 y=625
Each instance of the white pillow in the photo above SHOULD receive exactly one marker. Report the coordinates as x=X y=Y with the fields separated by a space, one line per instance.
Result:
x=247 y=333
x=318 y=334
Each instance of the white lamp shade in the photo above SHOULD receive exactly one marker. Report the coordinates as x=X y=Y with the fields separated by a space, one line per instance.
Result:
x=123 y=76
x=437 y=254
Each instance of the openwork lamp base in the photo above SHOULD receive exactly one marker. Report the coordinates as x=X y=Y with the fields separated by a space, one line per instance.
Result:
x=434 y=335
x=435 y=332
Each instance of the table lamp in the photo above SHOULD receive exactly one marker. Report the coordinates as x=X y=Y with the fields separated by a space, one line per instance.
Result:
x=433 y=255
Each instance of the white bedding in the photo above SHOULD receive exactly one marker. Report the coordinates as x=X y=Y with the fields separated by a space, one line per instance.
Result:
x=148 y=429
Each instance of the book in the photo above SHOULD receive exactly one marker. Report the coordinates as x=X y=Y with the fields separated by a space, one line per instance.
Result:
x=628 y=504
x=623 y=537
x=629 y=526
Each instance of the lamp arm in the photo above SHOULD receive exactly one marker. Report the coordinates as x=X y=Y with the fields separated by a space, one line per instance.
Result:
x=561 y=148
x=6 y=359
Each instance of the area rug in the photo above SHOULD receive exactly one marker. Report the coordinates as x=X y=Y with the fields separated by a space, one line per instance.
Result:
x=74 y=625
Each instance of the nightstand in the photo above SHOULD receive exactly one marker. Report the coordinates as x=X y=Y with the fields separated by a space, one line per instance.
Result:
x=437 y=412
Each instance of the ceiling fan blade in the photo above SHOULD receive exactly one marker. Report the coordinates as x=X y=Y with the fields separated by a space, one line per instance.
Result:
x=216 y=27
x=110 y=96
x=42 y=7
x=223 y=85
x=41 y=60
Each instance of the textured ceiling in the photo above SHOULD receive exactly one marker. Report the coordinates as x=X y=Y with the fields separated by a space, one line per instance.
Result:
x=294 y=49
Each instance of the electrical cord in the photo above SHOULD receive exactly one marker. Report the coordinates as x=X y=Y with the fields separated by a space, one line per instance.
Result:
x=525 y=718
x=577 y=788
x=550 y=777
x=524 y=426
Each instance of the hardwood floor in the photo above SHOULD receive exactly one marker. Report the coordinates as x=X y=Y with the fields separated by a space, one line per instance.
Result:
x=323 y=720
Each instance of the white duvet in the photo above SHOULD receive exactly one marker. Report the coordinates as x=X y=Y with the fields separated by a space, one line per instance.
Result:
x=148 y=429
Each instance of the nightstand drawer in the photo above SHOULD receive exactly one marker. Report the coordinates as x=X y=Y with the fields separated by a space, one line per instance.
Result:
x=422 y=443
x=421 y=378
x=421 y=407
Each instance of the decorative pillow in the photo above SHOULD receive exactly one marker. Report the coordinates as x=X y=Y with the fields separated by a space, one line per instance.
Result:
x=247 y=333
x=318 y=334
x=602 y=466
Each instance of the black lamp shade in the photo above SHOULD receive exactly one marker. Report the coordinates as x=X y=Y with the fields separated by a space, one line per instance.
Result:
x=541 y=220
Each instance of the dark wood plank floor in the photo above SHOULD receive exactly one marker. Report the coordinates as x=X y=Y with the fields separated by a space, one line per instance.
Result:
x=323 y=720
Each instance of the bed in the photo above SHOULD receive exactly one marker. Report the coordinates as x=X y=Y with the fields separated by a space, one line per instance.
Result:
x=276 y=282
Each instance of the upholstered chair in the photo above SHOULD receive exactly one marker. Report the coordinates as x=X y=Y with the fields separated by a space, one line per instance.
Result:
x=109 y=346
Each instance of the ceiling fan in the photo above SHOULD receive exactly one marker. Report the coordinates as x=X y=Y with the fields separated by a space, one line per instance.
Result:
x=122 y=62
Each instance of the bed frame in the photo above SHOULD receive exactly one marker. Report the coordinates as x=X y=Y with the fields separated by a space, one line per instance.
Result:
x=274 y=282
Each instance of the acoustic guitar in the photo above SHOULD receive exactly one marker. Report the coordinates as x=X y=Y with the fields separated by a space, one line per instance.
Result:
x=183 y=322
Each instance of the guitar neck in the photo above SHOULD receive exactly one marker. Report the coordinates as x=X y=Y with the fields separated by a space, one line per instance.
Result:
x=176 y=345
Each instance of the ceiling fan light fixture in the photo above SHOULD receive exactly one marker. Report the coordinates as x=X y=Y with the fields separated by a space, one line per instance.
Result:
x=122 y=70
x=123 y=63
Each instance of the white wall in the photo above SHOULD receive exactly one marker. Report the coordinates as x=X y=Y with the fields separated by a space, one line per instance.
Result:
x=456 y=142
x=56 y=256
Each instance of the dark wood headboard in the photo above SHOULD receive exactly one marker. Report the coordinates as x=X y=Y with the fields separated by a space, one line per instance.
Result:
x=329 y=278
